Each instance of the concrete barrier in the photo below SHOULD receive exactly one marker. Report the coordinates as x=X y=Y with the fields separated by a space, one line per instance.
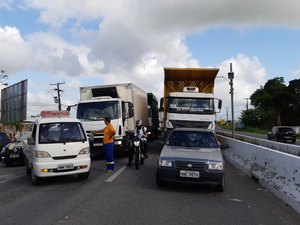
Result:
x=282 y=147
x=279 y=172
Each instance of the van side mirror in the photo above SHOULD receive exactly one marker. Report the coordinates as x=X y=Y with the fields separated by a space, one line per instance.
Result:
x=30 y=141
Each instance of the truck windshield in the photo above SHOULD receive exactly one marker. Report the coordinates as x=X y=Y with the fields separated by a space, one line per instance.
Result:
x=97 y=111
x=191 y=105
x=61 y=133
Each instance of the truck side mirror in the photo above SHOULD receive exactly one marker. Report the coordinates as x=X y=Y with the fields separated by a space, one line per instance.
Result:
x=30 y=141
x=91 y=137
x=220 y=104
x=161 y=103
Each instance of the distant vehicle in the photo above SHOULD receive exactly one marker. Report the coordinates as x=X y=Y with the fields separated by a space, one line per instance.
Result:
x=12 y=153
x=282 y=133
x=4 y=140
x=191 y=155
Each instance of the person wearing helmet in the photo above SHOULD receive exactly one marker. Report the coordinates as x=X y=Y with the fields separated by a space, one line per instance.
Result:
x=141 y=132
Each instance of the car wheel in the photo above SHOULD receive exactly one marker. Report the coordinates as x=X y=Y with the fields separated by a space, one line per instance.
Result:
x=83 y=176
x=159 y=182
x=8 y=164
x=220 y=187
x=294 y=141
x=34 y=179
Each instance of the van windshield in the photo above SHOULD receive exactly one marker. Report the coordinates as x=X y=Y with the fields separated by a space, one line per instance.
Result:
x=61 y=133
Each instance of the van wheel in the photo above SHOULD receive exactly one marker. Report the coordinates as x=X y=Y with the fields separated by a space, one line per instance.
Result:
x=83 y=176
x=34 y=179
x=28 y=170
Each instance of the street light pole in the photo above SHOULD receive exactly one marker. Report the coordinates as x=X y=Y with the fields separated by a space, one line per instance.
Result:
x=230 y=77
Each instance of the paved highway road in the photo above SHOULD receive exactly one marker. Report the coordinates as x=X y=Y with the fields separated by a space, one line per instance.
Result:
x=131 y=197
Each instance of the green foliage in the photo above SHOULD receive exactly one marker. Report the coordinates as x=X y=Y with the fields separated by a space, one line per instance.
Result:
x=275 y=104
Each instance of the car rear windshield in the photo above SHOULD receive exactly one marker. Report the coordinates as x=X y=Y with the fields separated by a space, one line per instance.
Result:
x=200 y=139
x=285 y=129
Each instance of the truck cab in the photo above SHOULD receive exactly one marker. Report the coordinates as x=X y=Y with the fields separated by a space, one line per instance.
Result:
x=57 y=146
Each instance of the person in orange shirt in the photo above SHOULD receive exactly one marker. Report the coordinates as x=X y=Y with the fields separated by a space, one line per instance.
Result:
x=108 y=144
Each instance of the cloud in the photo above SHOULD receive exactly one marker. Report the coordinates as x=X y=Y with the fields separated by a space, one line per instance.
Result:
x=131 y=41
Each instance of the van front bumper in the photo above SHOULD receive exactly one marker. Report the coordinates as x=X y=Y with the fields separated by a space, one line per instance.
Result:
x=61 y=167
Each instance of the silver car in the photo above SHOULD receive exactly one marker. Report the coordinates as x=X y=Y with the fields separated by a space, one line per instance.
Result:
x=191 y=155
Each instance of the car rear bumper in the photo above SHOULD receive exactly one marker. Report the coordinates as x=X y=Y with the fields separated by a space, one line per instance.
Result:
x=205 y=177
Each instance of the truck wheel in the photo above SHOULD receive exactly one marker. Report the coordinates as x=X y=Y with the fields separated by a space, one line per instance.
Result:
x=34 y=179
x=83 y=176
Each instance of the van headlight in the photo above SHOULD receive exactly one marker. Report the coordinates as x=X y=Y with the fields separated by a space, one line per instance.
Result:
x=216 y=166
x=165 y=163
x=42 y=154
x=84 y=151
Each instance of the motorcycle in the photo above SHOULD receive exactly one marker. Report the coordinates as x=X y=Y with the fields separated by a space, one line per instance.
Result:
x=137 y=152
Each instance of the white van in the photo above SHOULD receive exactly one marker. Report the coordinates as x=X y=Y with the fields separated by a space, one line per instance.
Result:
x=58 y=146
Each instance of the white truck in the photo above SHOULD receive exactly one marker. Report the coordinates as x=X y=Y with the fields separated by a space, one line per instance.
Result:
x=123 y=103
x=189 y=98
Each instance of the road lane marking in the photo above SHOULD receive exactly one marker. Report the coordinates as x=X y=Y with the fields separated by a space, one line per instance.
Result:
x=9 y=177
x=115 y=175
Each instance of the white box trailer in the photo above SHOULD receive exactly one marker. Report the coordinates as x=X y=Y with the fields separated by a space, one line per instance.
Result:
x=123 y=103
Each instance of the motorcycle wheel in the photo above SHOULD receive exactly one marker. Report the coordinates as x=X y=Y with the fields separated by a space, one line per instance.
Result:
x=136 y=160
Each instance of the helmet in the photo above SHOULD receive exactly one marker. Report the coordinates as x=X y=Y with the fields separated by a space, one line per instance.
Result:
x=138 y=124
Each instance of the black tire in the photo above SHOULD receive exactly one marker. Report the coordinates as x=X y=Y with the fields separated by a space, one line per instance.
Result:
x=137 y=160
x=34 y=179
x=83 y=176
x=28 y=170
x=142 y=161
x=294 y=141
x=159 y=182
x=220 y=187
x=8 y=164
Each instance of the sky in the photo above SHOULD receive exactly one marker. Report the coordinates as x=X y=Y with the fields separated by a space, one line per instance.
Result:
x=94 y=42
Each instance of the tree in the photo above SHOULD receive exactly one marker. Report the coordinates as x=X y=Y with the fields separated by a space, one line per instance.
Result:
x=273 y=98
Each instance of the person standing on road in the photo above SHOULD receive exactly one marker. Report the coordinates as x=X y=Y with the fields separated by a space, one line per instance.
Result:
x=108 y=144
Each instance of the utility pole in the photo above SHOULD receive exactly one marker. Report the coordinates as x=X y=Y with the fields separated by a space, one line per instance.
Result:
x=247 y=103
x=230 y=77
x=57 y=99
x=227 y=114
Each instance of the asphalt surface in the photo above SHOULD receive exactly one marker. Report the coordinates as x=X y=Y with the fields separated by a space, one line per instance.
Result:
x=130 y=196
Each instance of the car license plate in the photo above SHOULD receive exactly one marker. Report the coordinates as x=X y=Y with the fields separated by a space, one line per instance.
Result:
x=65 y=167
x=98 y=144
x=190 y=174
x=13 y=156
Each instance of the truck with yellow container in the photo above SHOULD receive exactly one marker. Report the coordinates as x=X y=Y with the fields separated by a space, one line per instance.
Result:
x=189 y=98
